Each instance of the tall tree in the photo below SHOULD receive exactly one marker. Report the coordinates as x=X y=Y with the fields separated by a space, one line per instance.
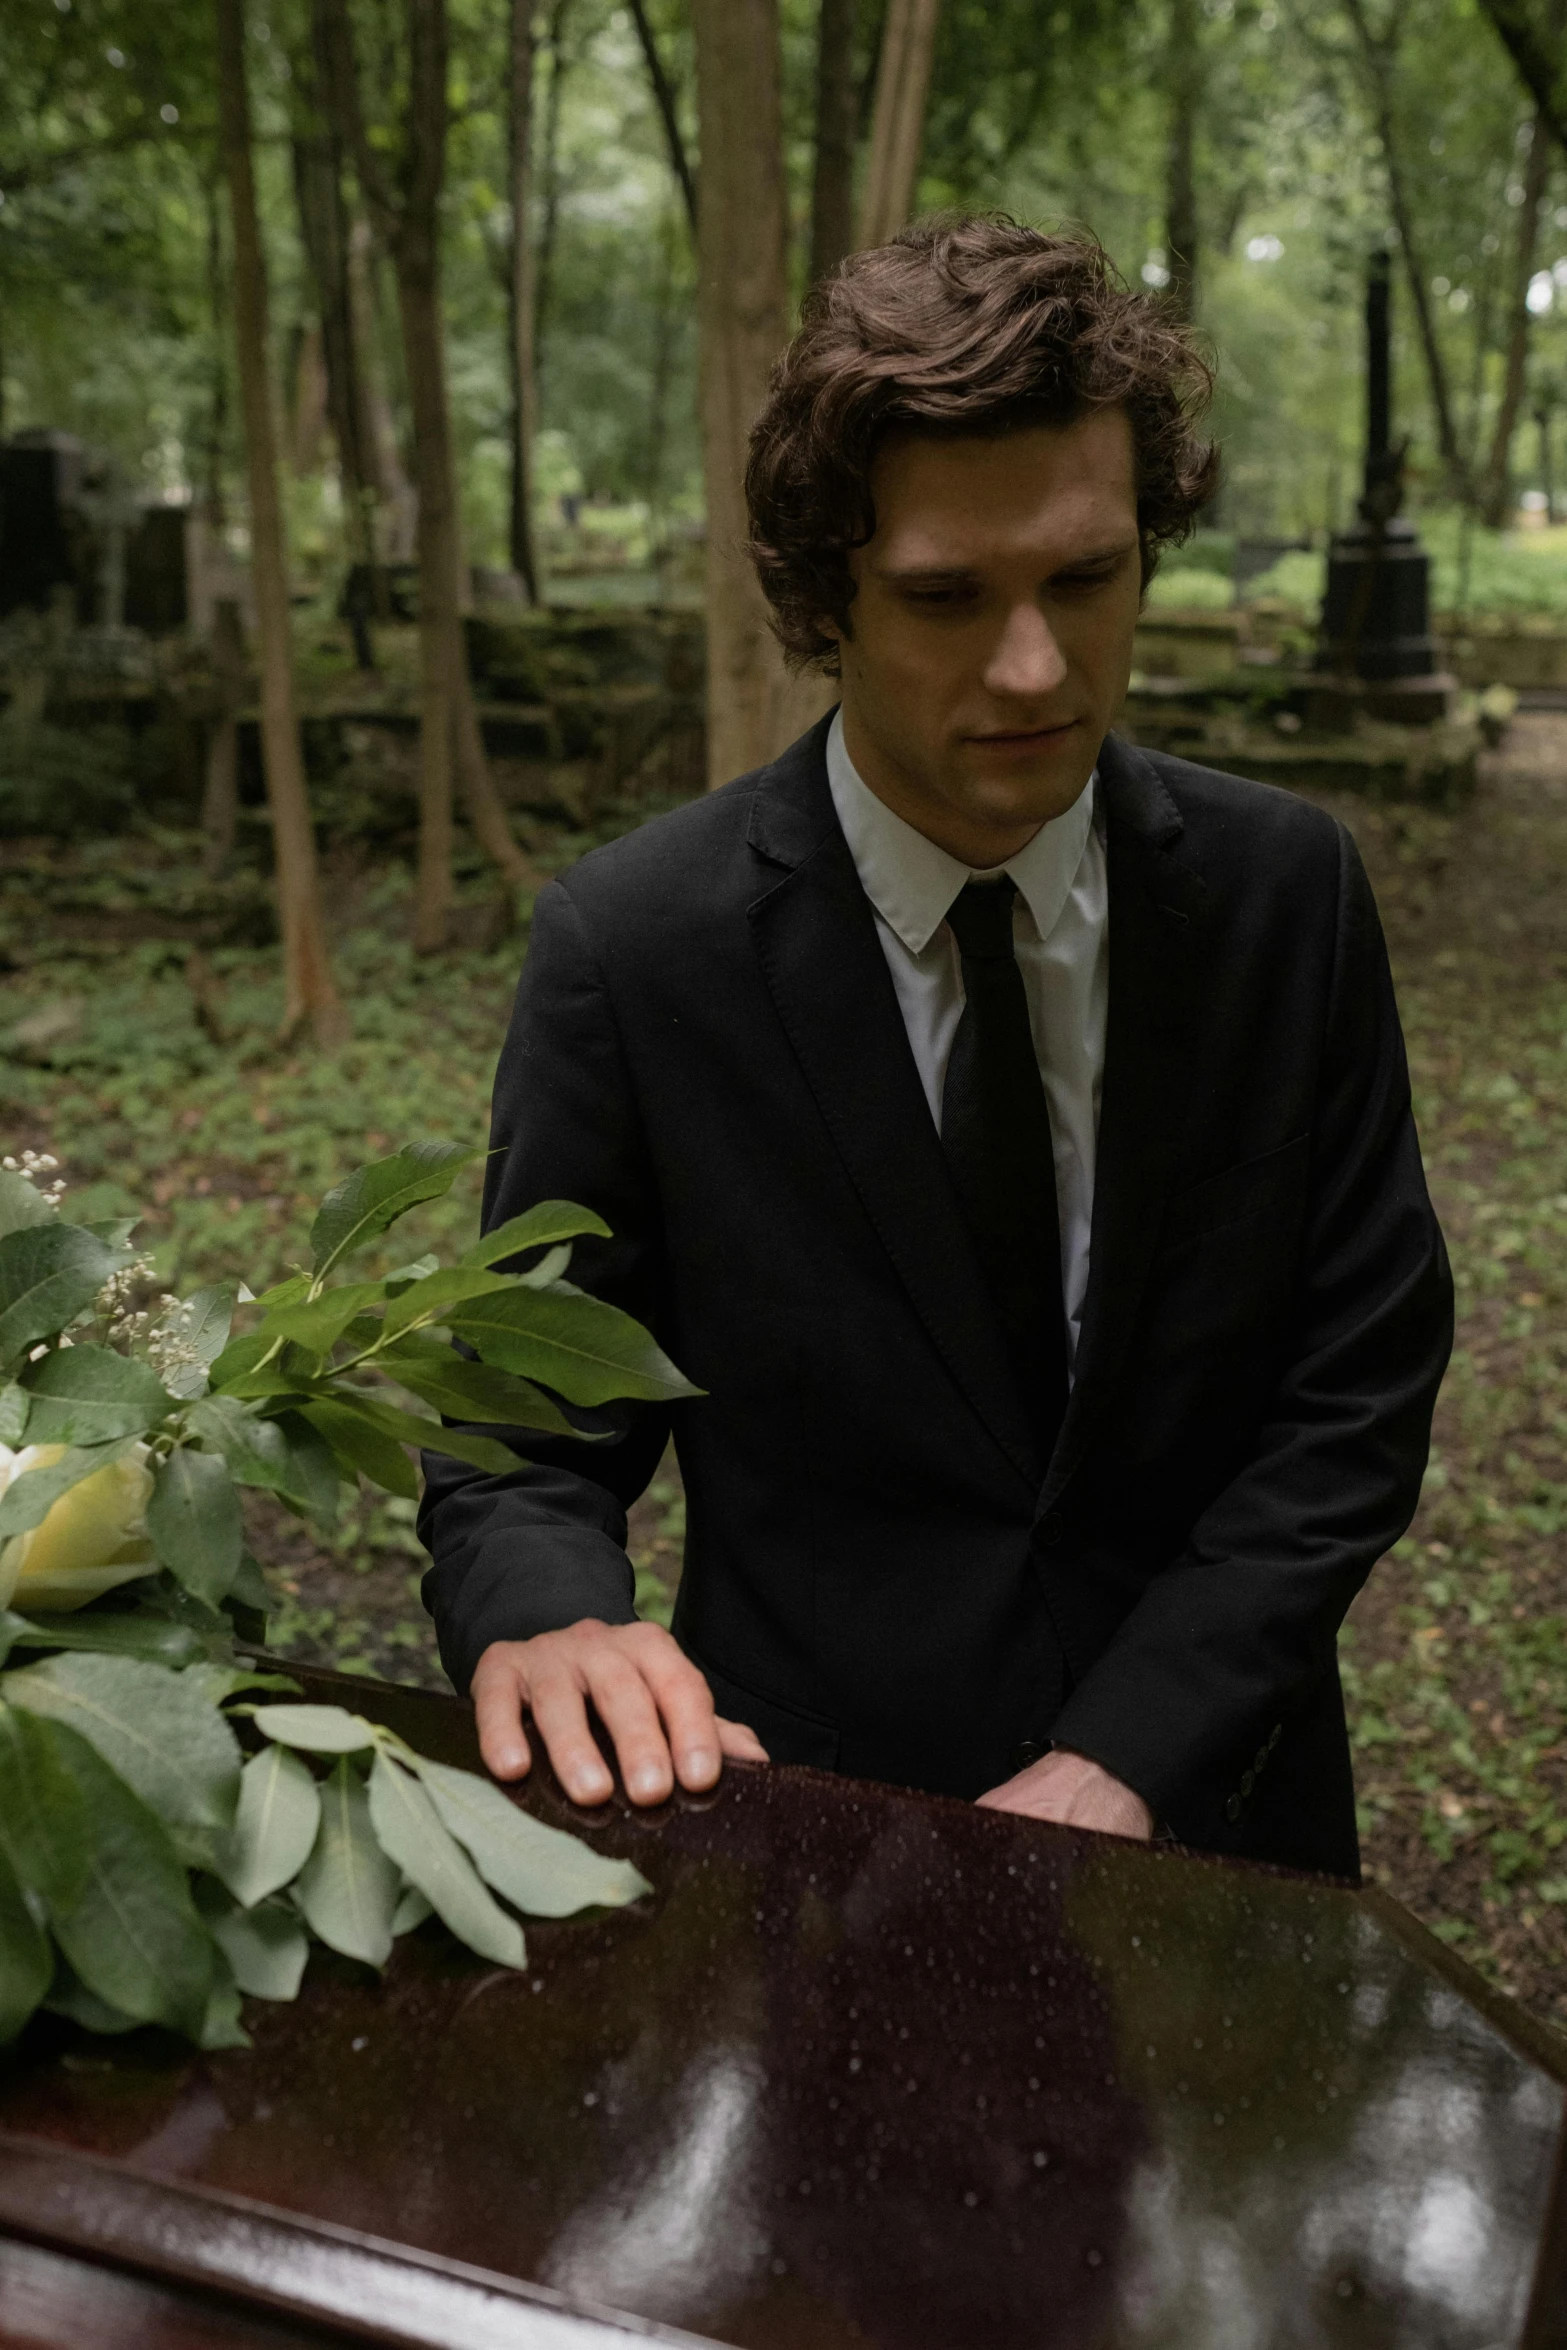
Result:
x=668 y=111
x=1496 y=483
x=1379 y=54
x=743 y=316
x=520 y=298
x=1537 y=49
x=405 y=201
x=1183 y=79
x=837 y=122
x=309 y=990
x=908 y=48
x=326 y=232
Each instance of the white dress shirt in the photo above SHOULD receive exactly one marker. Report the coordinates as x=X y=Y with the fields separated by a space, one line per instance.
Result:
x=1061 y=933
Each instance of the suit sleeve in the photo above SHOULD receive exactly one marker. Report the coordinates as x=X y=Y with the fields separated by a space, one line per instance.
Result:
x=545 y=1545
x=1235 y=1633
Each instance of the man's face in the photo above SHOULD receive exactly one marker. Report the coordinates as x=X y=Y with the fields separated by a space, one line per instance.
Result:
x=992 y=627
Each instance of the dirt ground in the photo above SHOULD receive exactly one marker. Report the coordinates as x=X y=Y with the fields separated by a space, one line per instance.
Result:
x=1456 y=1653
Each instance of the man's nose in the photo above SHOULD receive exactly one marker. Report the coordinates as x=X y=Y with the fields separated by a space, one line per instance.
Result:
x=1026 y=660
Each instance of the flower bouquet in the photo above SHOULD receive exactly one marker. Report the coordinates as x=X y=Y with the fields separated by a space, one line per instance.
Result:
x=173 y=1830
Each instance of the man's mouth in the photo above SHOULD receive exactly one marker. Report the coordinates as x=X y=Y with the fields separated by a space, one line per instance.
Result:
x=1023 y=738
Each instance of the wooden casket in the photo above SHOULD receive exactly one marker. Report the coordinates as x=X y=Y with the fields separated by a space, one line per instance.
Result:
x=867 y=2068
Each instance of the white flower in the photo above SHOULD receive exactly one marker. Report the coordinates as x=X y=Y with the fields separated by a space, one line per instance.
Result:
x=94 y=1537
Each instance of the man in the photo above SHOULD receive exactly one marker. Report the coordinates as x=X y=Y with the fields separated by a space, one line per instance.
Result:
x=1007 y=1129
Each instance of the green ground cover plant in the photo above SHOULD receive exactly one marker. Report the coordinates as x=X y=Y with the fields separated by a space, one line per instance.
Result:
x=1455 y=1656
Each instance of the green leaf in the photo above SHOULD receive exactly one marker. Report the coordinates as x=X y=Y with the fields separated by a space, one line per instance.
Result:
x=319 y=1729
x=274 y=1828
x=26 y=1961
x=408 y=1428
x=397 y=1282
x=410 y=1830
x=586 y=1350
x=218 y=1683
x=542 y=1870
x=30 y=1497
x=375 y=1196
x=90 y=1395
x=43 y=1823
x=348 y=1888
x=267 y=1947
x=412 y=1910
x=220 y=2026
x=195 y=1522
x=132 y=1935
x=471 y=1391
x=319 y=1322
x=69 y=1996
x=431 y=1300
x=48 y=1274
x=109 y=1632
x=242 y=1368
x=284 y=1455
x=21 y=1203
x=541 y=1227
x=15 y=1404
x=204 y=1323
x=363 y=1447
x=165 y=1740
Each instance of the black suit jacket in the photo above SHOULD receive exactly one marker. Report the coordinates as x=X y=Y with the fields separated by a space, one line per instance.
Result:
x=884 y=1574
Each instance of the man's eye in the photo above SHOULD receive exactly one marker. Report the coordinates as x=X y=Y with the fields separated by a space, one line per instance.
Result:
x=1082 y=580
x=939 y=599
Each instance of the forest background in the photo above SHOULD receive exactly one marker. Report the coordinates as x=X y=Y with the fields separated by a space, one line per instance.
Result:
x=261 y=258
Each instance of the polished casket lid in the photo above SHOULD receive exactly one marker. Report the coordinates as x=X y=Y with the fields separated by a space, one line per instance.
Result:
x=867 y=2067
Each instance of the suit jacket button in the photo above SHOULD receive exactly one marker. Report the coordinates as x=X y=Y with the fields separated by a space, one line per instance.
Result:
x=1248 y=1782
x=1261 y=1762
x=1026 y=1751
x=1050 y=1529
x=1276 y=1735
x=1232 y=1810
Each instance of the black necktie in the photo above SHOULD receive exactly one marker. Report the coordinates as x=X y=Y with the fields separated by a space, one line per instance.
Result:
x=995 y=1130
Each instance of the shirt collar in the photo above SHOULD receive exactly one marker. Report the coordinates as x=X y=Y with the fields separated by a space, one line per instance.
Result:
x=911 y=882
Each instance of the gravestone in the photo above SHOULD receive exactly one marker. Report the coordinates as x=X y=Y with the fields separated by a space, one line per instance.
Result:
x=867 y=2067
x=1377 y=652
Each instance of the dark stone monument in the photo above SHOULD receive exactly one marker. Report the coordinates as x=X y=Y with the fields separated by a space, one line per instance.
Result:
x=46 y=542
x=1376 y=651
x=865 y=2068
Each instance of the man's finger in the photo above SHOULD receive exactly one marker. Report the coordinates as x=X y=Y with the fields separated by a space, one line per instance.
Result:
x=497 y=1705
x=685 y=1704
x=618 y=1686
x=560 y=1715
x=739 y=1741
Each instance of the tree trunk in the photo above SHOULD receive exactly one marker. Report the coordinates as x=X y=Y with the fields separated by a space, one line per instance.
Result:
x=1496 y=486
x=218 y=410
x=1378 y=55
x=743 y=317
x=545 y=275
x=309 y=991
x=220 y=793
x=668 y=113
x=1537 y=53
x=410 y=224
x=837 y=121
x=1184 y=80
x=399 y=506
x=908 y=48
x=326 y=229
x=520 y=297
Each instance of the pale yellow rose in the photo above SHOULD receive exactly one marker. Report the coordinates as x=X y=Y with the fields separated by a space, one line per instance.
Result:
x=94 y=1537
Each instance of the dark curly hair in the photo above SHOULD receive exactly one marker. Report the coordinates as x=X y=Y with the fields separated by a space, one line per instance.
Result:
x=969 y=325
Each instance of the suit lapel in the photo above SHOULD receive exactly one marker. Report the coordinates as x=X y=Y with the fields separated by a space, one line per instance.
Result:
x=1157 y=903
x=816 y=939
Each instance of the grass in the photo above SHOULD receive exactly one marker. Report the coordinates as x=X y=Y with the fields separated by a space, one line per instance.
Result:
x=158 y=1080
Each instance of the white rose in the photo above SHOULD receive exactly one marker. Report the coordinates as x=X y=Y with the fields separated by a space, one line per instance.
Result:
x=94 y=1537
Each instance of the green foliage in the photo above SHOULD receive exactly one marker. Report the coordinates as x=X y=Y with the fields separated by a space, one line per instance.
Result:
x=120 y=1771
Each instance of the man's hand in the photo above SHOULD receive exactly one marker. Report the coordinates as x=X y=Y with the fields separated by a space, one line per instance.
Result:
x=649 y=1696
x=1076 y=1792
